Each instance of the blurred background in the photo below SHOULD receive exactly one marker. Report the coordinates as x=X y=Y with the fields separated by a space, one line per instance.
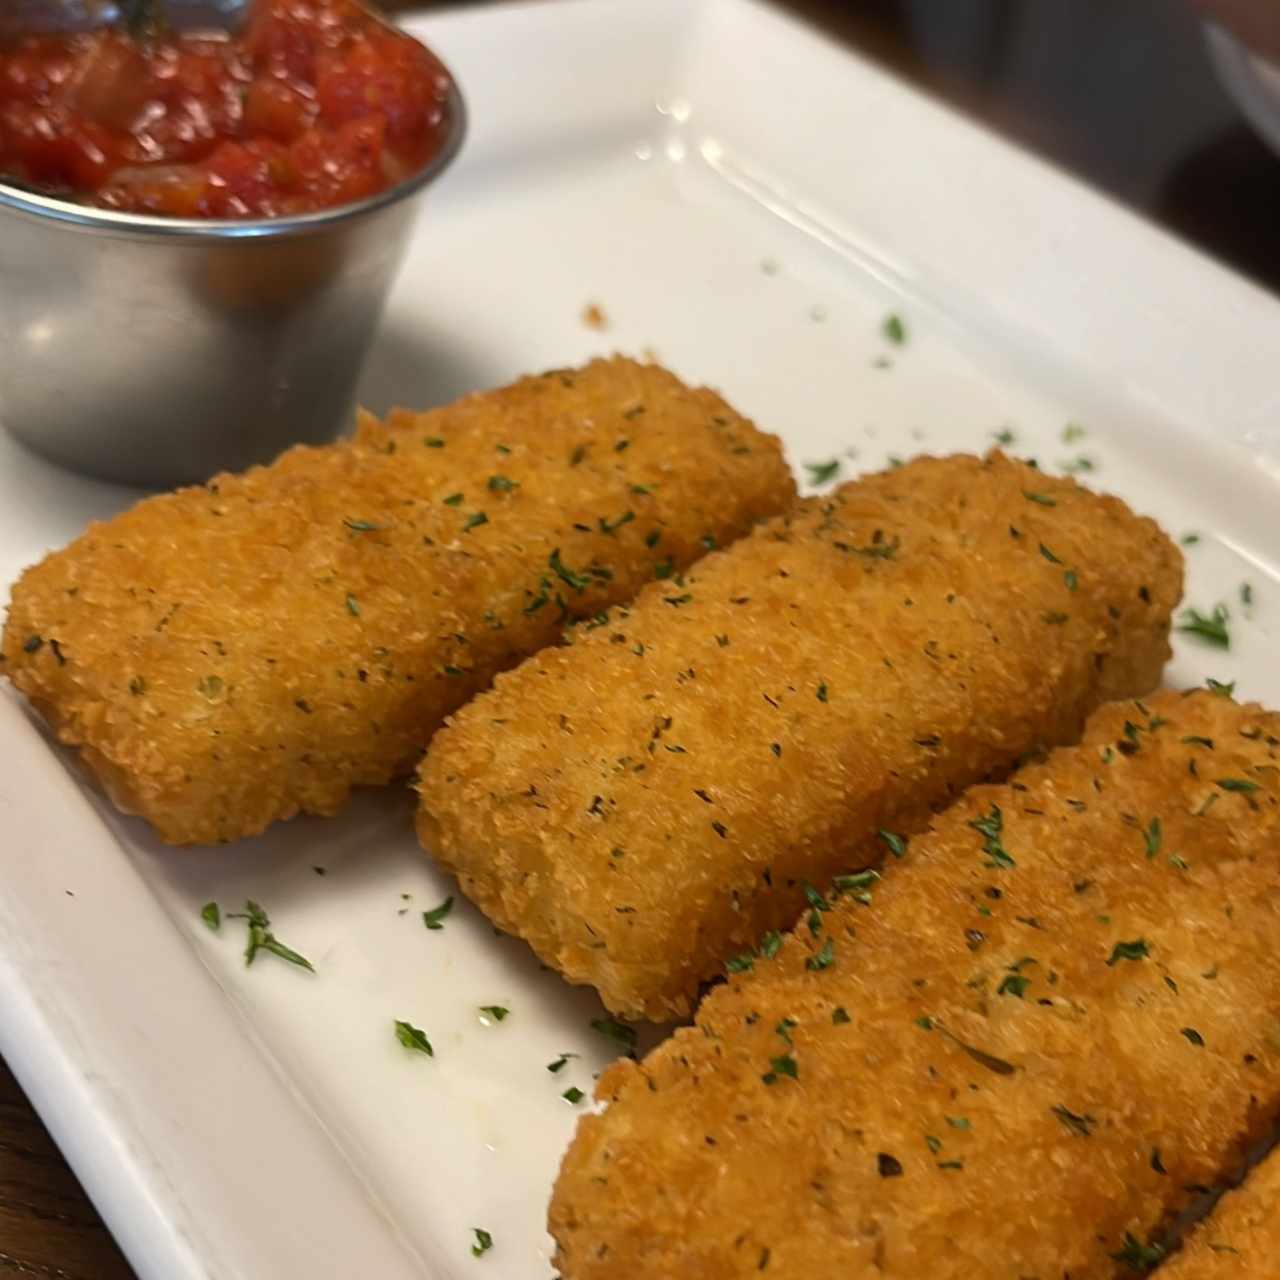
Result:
x=1123 y=93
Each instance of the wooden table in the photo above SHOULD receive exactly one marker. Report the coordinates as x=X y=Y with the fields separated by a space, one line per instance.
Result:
x=1120 y=94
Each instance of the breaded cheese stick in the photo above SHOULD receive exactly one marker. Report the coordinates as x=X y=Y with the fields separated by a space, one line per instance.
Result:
x=1014 y=1056
x=646 y=803
x=232 y=654
x=1240 y=1238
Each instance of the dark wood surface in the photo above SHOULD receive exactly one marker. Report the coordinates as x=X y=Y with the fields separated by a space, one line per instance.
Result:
x=1121 y=94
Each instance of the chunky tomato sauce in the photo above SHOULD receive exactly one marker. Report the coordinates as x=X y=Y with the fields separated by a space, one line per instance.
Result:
x=313 y=104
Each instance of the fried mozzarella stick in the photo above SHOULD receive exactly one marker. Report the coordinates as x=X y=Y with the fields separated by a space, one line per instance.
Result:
x=231 y=654
x=1241 y=1238
x=1014 y=1056
x=646 y=803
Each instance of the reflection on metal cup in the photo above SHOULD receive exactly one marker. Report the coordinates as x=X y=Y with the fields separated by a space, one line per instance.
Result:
x=158 y=351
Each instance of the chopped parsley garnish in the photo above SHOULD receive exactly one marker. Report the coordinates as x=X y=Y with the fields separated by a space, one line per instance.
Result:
x=1013 y=984
x=262 y=939
x=1246 y=594
x=783 y=1065
x=1081 y=1126
x=664 y=569
x=823 y=472
x=353 y=605
x=210 y=914
x=1212 y=628
x=814 y=898
x=924 y=1022
x=1004 y=436
x=1072 y=432
x=858 y=881
x=616 y=1031
x=484 y=1242
x=474 y=521
x=1193 y=741
x=612 y=526
x=840 y=1015
x=1223 y=689
x=502 y=484
x=1135 y=950
x=434 y=919
x=1042 y=499
x=414 y=1038
x=1071 y=579
x=496 y=1012
x=453 y=500
x=1048 y=555
x=363 y=526
x=560 y=1063
x=433 y=442
x=896 y=844
x=990 y=829
x=822 y=692
x=770 y=943
x=894 y=329
x=825 y=957
x=958 y=1122
x=1237 y=784
x=578 y=581
x=32 y=644
x=1194 y=1036
x=741 y=963
x=1138 y=1256
x=1152 y=837
x=1189 y=539
x=1055 y=618
x=573 y=1095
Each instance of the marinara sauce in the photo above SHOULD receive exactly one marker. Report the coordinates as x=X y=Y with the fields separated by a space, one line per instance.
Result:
x=314 y=103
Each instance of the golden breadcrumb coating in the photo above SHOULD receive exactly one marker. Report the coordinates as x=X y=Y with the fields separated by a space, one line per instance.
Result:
x=647 y=802
x=1059 y=1013
x=231 y=654
x=1241 y=1238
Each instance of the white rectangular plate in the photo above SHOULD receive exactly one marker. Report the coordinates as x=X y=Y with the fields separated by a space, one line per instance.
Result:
x=748 y=203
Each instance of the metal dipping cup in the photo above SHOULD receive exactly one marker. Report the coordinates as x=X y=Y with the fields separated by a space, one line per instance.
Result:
x=158 y=351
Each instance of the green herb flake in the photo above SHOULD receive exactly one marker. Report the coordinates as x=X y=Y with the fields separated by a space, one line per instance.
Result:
x=840 y=1015
x=1189 y=539
x=934 y=1144
x=435 y=918
x=924 y=1022
x=560 y=1063
x=1042 y=499
x=1246 y=594
x=1135 y=950
x=1194 y=741
x=894 y=329
x=262 y=939
x=1152 y=837
x=1138 y=1256
x=958 y=1122
x=1194 y=1036
x=1013 y=984
x=822 y=692
x=453 y=500
x=573 y=1095
x=896 y=844
x=1221 y=688
x=990 y=828
x=741 y=963
x=1048 y=555
x=413 y=1038
x=1004 y=436
x=1081 y=1126
x=1211 y=628
x=576 y=581
x=32 y=644
x=211 y=915
x=783 y=1065
x=502 y=484
x=363 y=526
x=618 y=1032
x=1237 y=784
x=474 y=521
x=494 y=1012
x=770 y=943
x=484 y=1242
x=1072 y=432
x=824 y=959
x=353 y=605
x=823 y=472
x=433 y=442
x=1071 y=579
